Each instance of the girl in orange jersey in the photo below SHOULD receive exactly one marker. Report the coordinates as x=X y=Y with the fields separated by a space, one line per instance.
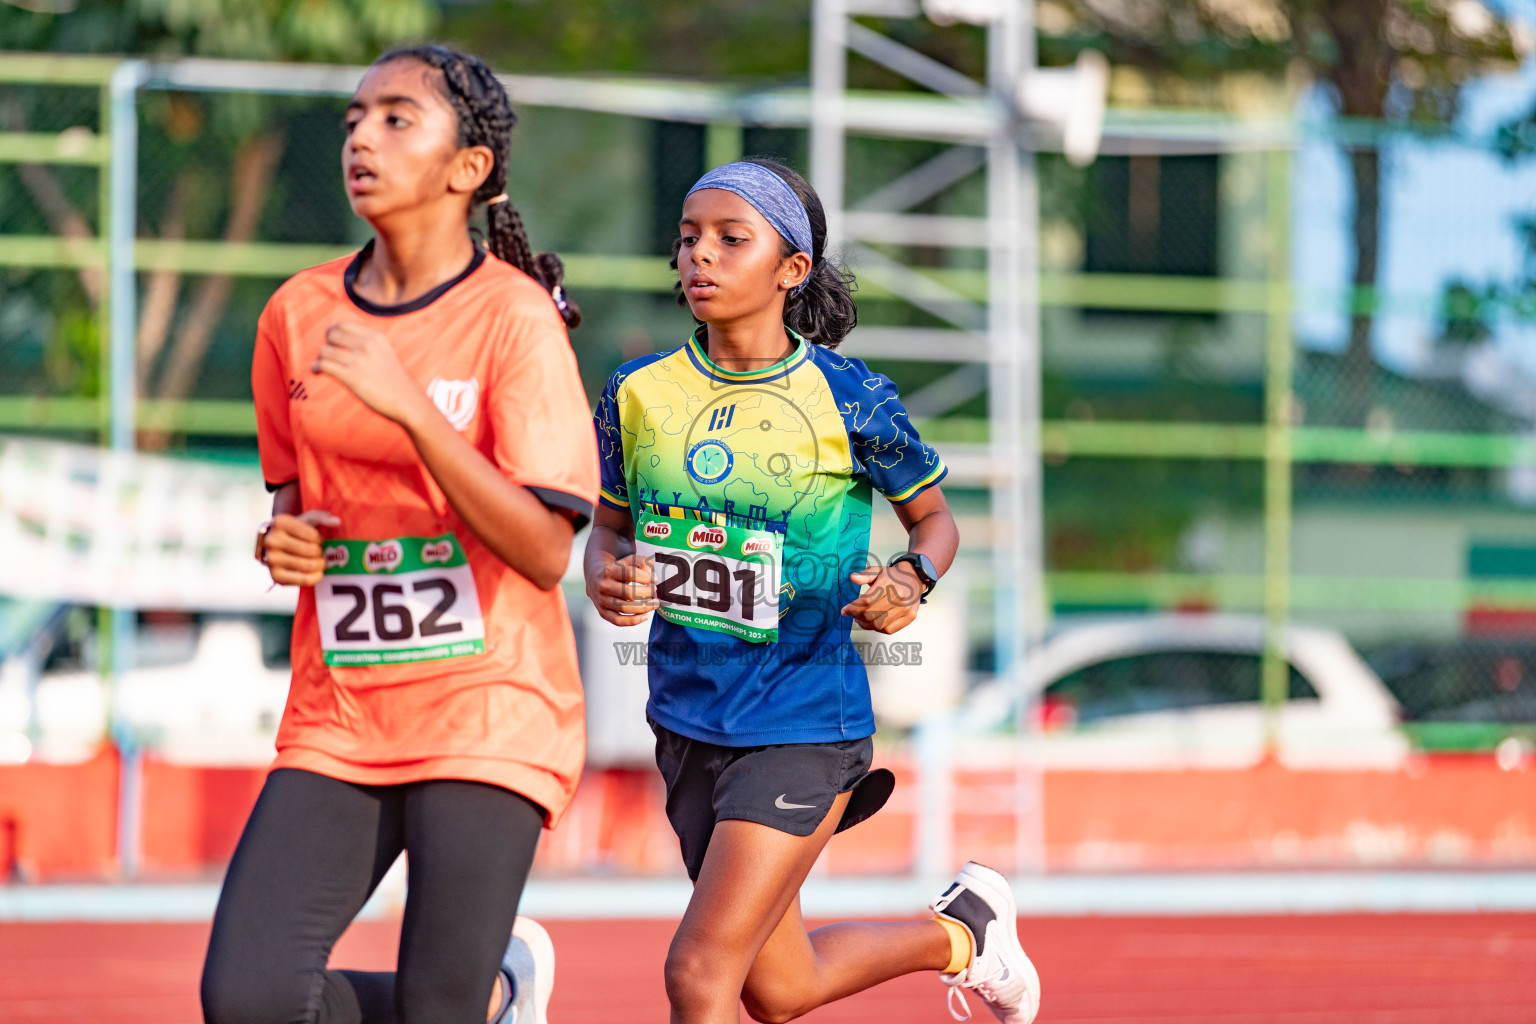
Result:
x=425 y=432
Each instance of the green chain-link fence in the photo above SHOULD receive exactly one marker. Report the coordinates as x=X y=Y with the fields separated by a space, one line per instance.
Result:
x=1211 y=441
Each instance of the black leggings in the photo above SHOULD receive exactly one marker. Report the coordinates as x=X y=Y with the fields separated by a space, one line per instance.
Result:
x=313 y=851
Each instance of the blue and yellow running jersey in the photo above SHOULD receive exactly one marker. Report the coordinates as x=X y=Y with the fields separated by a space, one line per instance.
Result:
x=795 y=449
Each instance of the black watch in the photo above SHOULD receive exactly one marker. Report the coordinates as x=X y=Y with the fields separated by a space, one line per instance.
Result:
x=923 y=566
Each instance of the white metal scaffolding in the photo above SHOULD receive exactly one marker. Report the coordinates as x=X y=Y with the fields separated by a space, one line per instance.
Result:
x=1008 y=321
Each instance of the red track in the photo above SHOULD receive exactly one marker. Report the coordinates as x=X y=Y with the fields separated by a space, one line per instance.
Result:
x=1403 y=969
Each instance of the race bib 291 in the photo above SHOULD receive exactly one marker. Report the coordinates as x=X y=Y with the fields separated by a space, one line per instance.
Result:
x=723 y=578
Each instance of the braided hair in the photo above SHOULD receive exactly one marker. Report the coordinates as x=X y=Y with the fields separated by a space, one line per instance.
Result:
x=822 y=312
x=486 y=119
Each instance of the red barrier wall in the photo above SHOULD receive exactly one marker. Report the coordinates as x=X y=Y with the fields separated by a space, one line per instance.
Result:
x=193 y=816
x=60 y=821
x=1445 y=811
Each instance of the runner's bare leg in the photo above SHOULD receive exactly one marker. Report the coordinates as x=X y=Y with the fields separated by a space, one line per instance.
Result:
x=742 y=938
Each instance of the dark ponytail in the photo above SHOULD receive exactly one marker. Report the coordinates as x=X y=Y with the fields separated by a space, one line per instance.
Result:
x=823 y=311
x=486 y=119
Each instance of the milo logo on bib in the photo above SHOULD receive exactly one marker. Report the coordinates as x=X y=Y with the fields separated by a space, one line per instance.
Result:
x=389 y=602
x=724 y=578
x=438 y=551
x=385 y=557
x=708 y=537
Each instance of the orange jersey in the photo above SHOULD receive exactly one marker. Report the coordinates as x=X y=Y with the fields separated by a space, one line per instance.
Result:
x=422 y=655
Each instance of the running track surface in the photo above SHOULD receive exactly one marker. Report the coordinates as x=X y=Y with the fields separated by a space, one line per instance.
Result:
x=1399 y=969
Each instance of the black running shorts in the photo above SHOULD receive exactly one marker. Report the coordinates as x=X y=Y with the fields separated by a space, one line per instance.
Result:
x=789 y=787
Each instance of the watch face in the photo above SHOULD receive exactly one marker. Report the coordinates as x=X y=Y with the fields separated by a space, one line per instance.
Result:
x=922 y=565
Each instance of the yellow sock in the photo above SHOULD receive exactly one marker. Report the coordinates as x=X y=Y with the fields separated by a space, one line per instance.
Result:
x=959 y=945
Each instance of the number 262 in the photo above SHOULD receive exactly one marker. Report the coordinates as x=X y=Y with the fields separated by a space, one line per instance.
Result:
x=393 y=621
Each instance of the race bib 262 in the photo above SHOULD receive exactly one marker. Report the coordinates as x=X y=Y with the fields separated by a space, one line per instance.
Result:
x=387 y=602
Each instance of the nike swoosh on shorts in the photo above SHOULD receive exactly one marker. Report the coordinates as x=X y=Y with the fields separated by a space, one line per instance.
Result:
x=783 y=805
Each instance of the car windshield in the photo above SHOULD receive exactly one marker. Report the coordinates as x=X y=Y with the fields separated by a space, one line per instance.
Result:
x=1467 y=680
x=1161 y=681
x=20 y=622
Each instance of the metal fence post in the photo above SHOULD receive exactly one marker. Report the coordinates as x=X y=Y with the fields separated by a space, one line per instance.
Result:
x=1278 y=403
x=723 y=143
x=119 y=218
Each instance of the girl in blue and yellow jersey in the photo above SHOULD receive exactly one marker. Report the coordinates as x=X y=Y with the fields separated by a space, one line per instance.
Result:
x=737 y=479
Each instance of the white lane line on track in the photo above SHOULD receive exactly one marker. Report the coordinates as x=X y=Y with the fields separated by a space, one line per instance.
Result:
x=1055 y=895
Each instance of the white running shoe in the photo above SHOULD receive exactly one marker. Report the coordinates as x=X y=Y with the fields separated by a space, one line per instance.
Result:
x=528 y=969
x=980 y=901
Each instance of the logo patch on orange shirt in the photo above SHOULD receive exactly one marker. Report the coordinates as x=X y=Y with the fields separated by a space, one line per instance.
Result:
x=455 y=399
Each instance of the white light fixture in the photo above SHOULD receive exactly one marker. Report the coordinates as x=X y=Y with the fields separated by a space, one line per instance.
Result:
x=971 y=12
x=1071 y=99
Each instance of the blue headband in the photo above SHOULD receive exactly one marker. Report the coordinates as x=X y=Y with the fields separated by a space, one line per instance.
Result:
x=770 y=195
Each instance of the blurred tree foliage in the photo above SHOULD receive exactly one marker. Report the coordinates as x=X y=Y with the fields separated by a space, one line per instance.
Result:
x=218 y=153
x=706 y=39
x=1467 y=309
x=712 y=39
x=317 y=30
x=1399 y=60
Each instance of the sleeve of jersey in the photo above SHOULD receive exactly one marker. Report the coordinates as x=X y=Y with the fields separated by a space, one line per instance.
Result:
x=274 y=426
x=899 y=464
x=539 y=419
x=614 y=490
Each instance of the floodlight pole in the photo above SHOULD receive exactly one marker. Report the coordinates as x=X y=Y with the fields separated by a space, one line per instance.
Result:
x=829 y=81
x=1013 y=403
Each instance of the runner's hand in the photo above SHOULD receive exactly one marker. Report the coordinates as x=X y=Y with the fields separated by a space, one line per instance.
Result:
x=891 y=601
x=293 y=548
x=624 y=592
x=365 y=361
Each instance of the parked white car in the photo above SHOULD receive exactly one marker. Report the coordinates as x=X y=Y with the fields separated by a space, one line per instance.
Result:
x=1182 y=691
x=216 y=703
x=27 y=633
